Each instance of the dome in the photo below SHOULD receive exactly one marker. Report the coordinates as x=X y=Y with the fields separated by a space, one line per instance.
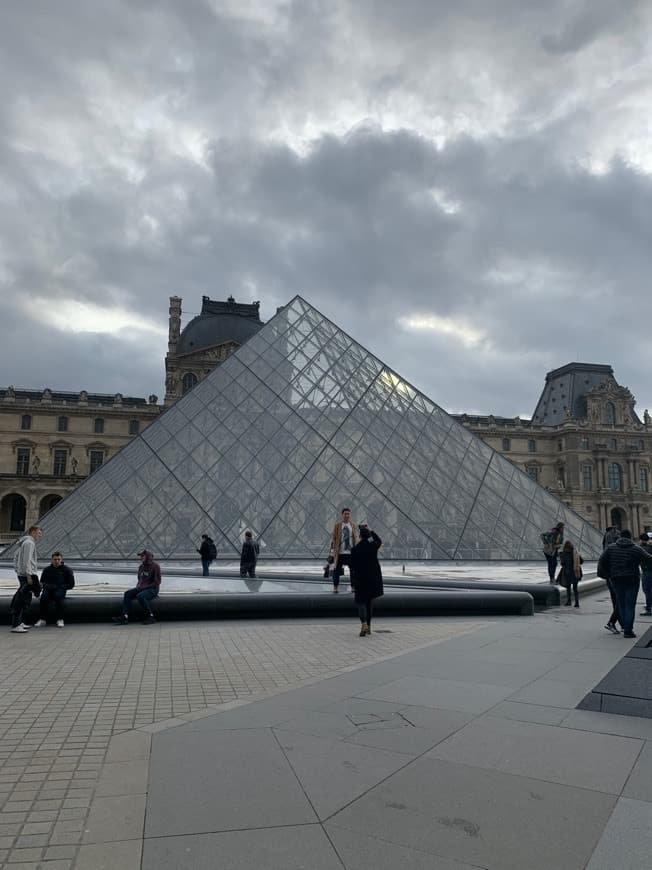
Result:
x=218 y=323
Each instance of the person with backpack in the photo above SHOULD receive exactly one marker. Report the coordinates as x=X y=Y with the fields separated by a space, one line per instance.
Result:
x=552 y=541
x=207 y=553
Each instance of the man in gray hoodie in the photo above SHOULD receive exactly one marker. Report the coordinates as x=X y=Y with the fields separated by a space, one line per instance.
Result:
x=27 y=572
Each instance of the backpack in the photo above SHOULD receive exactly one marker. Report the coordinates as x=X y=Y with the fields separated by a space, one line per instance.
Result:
x=211 y=551
x=548 y=541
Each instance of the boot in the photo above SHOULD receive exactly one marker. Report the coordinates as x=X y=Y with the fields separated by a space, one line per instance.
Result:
x=364 y=630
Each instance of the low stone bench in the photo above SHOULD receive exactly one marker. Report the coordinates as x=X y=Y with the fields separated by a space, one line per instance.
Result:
x=172 y=606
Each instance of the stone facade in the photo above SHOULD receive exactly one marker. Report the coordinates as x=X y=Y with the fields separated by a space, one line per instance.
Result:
x=585 y=443
x=50 y=441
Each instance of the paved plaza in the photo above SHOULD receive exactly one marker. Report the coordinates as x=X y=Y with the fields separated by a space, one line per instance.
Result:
x=448 y=743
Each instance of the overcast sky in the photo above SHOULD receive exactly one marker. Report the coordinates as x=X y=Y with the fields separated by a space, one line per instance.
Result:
x=465 y=187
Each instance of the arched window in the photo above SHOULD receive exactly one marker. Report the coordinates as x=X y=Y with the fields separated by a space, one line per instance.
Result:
x=587 y=477
x=189 y=381
x=532 y=445
x=98 y=425
x=644 y=479
x=62 y=424
x=26 y=421
x=609 y=413
x=615 y=476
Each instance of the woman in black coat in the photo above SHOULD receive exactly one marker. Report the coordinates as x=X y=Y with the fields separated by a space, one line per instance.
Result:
x=366 y=575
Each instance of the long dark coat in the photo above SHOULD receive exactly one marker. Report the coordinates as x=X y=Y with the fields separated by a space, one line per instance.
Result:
x=365 y=569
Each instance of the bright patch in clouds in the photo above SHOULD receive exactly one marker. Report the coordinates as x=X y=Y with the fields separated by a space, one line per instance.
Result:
x=444 y=326
x=72 y=316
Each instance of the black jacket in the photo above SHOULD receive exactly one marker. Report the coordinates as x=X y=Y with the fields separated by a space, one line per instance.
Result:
x=366 y=575
x=249 y=554
x=60 y=577
x=622 y=559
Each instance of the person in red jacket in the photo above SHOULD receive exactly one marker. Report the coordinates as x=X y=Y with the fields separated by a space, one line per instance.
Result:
x=149 y=581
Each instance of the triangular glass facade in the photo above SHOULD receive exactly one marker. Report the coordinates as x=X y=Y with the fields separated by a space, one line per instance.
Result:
x=298 y=423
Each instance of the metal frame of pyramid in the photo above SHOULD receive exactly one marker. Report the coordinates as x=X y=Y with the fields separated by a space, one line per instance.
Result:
x=300 y=422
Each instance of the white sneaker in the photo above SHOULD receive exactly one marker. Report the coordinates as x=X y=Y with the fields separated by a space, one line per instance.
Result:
x=40 y=624
x=59 y=623
x=25 y=626
x=20 y=629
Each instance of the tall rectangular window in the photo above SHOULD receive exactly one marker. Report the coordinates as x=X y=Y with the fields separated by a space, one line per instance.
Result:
x=585 y=442
x=26 y=421
x=587 y=477
x=98 y=425
x=506 y=444
x=60 y=459
x=96 y=459
x=644 y=480
x=134 y=427
x=62 y=424
x=532 y=445
x=22 y=461
x=615 y=476
x=533 y=472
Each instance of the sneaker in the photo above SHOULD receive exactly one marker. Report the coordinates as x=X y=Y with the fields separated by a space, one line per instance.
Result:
x=335 y=589
x=20 y=629
x=59 y=623
x=25 y=625
x=120 y=620
x=40 y=624
x=576 y=604
x=629 y=634
x=149 y=620
x=612 y=628
x=645 y=613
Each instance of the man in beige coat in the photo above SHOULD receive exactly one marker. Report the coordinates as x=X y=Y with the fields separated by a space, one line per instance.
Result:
x=344 y=537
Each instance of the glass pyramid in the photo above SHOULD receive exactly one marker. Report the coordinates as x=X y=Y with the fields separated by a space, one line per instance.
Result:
x=300 y=422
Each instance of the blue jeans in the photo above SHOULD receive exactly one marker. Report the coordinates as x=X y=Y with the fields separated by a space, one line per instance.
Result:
x=56 y=595
x=205 y=563
x=646 y=583
x=142 y=596
x=626 y=591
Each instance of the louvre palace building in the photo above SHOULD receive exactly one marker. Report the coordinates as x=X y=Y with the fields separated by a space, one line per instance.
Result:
x=585 y=446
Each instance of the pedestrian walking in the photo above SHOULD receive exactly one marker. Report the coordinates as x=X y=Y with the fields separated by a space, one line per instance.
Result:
x=552 y=541
x=145 y=591
x=249 y=556
x=570 y=572
x=343 y=539
x=56 y=580
x=610 y=536
x=366 y=575
x=646 y=576
x=26 y=568
x=620 y=563
x=207 y=553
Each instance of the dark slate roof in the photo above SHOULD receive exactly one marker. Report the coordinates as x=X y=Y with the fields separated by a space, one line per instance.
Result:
x=567 y=387
x=220 y=322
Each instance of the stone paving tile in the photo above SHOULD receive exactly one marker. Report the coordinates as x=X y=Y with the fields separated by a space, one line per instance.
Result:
x=66 y=695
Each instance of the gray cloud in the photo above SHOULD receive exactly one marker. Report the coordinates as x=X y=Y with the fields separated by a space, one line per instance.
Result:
x=481 y=170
